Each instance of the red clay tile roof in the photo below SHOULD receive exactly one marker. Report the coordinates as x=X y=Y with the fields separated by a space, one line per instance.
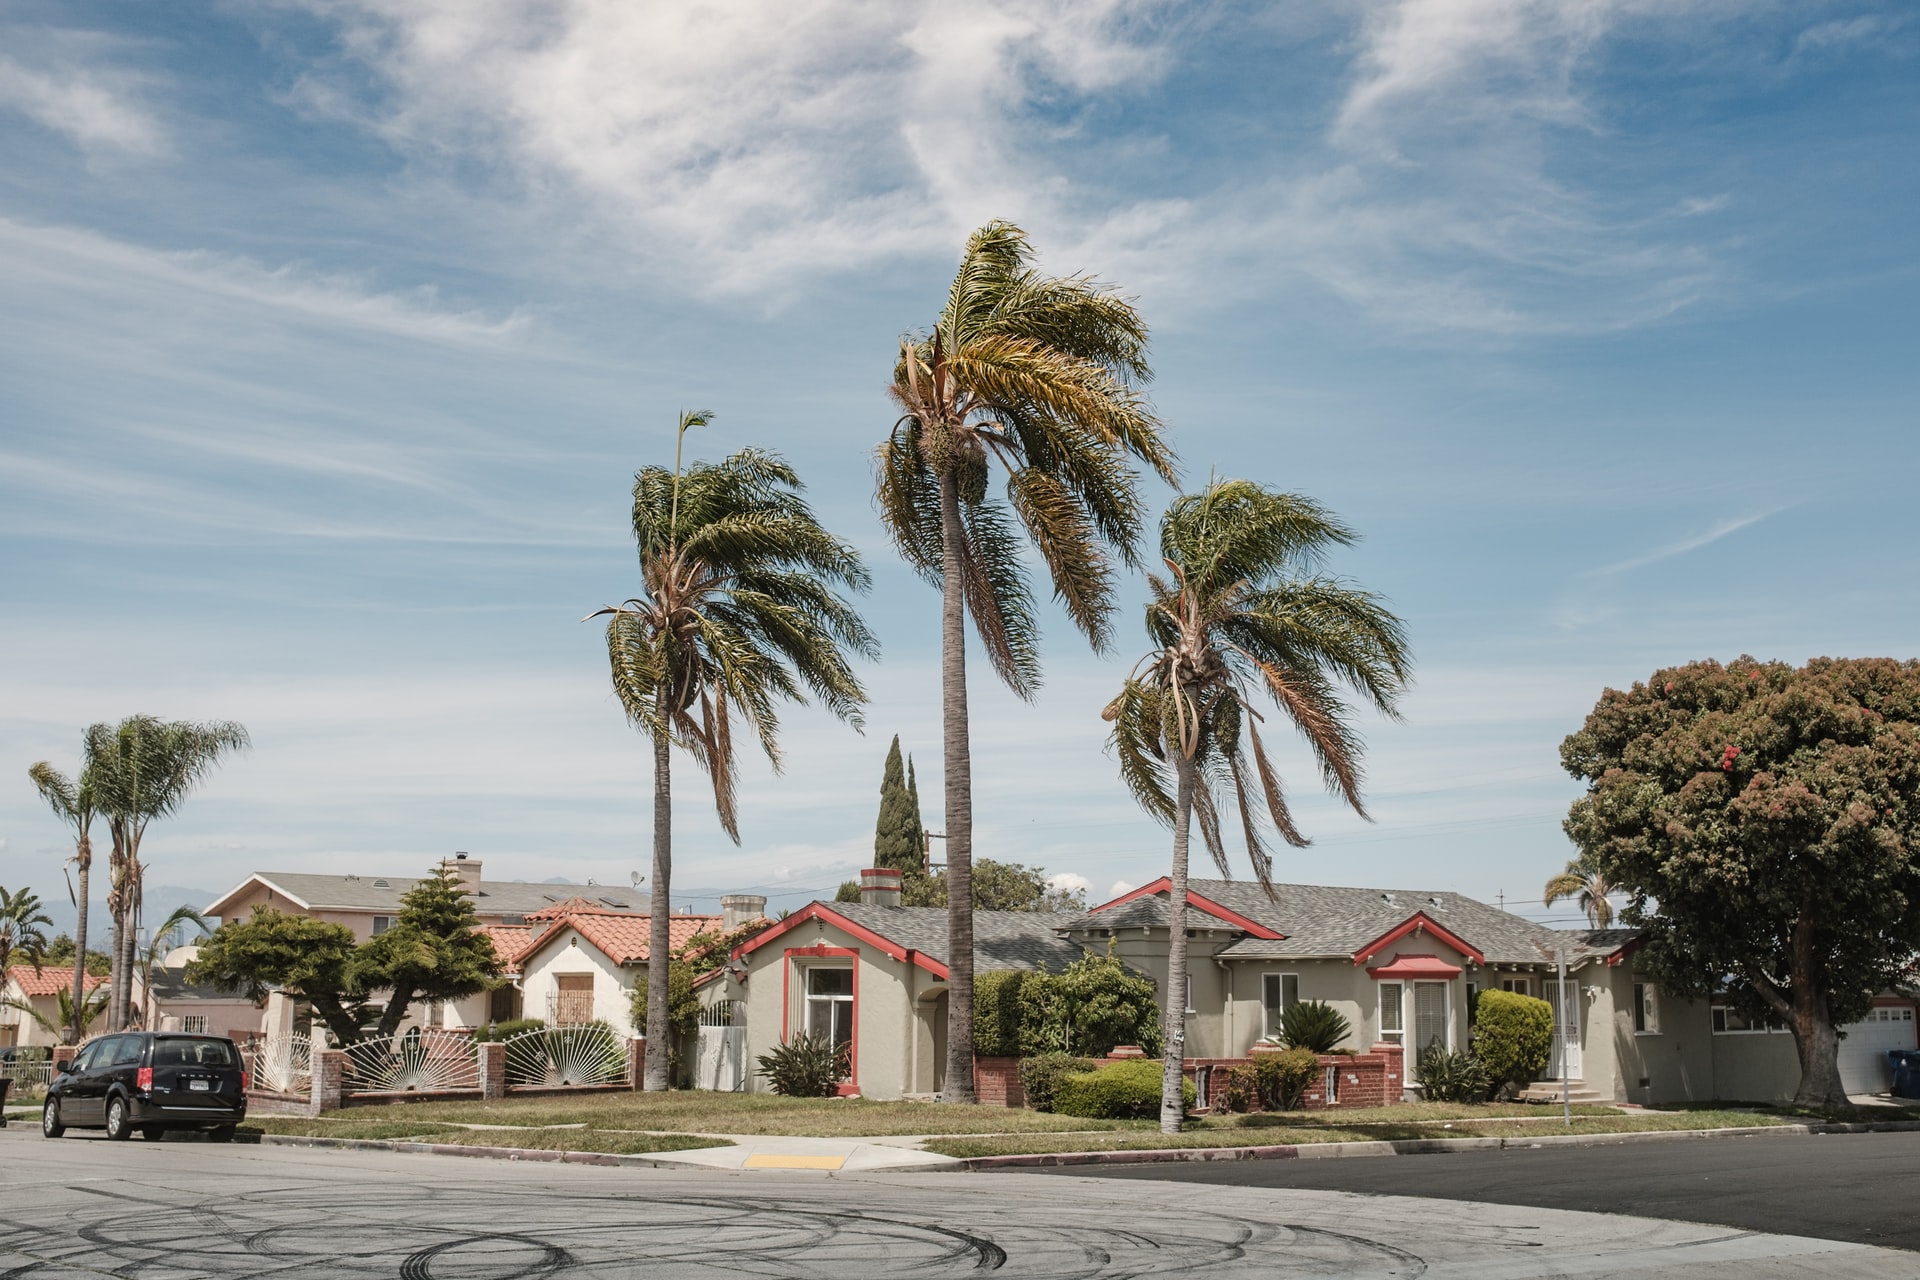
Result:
x=509 y=940
x=50 y=981
x=622 y=935
x=577 y=906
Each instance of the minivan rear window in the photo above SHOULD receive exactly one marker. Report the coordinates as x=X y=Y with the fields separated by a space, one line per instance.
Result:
x=192 y=1053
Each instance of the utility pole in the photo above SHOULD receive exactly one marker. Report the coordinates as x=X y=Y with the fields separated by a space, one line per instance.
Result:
x=926 y=849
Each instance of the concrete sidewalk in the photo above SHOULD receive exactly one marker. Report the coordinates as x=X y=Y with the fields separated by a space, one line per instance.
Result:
x=835 y=1155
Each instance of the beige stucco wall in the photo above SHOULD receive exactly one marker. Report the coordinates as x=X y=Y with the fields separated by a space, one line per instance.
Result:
x=1762 y=1066
x=567 y=952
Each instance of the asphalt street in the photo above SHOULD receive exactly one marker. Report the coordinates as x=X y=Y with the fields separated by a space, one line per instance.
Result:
x=1859 y=1187
x=85 y=1207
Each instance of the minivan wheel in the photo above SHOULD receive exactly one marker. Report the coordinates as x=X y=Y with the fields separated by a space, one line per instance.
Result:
x=152 y=1132
x=118 y=1130
x=222 y=1134
x=50 y=1125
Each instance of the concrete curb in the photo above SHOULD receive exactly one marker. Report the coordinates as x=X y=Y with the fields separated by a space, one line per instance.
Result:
x=1412 y=1146
x=536 y=1155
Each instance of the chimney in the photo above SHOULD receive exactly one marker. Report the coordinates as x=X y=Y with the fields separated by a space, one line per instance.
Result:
x=466 y=870
x=880 y=887
x=737 y=909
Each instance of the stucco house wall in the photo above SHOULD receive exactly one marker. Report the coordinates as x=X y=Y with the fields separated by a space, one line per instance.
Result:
x=568 y=953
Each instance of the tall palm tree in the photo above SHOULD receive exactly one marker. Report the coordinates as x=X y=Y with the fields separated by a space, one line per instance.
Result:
x=73 y=800
x=142 y=769
x=1589 y=887
x=23 y=936
x=738 y=612
x=1243 y=612
x=1040 y=375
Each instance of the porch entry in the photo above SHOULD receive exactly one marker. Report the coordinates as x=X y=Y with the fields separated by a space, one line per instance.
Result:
x=1566 y=1024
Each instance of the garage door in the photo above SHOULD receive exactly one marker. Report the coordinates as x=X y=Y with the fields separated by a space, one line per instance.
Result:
x=1863 y=1054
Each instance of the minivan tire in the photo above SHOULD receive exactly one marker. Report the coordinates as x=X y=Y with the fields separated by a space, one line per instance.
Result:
x=152 y=1132
x=222 y=1134
x=50 y=1126
x=118 y=1130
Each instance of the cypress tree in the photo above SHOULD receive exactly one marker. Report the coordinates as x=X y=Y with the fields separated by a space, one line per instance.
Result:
x=896 y=834
x=919 y=832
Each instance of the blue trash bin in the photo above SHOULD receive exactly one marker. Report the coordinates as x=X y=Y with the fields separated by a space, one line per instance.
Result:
x=1906 y=1072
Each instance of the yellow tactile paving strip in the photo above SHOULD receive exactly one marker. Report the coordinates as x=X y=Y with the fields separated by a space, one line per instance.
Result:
x=792 y=1162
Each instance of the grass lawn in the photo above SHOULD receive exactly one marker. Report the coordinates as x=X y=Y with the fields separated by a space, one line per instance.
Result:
x=1409 y=1121
x=684 y=1111
x=435 y=1131
x=299 y=1127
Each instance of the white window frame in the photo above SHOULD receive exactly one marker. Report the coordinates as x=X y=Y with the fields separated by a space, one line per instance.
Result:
x=1396 y=1034
x=1646 y=1009
x=1518 y=986
x=808 y=998
x=381 y=924
x=194 y=1023
x=1271 y=1012
x=1190 y=1008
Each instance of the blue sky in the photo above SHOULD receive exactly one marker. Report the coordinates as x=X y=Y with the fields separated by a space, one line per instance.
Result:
x=334 y=331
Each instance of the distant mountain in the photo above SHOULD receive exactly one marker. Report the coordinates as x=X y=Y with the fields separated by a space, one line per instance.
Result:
x=159 y=899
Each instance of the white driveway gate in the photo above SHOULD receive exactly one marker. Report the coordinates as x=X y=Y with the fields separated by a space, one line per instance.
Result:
x=721 y=1062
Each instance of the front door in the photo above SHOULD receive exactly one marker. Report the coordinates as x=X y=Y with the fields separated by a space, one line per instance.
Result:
x=81 y=1098
x=1566 y=1030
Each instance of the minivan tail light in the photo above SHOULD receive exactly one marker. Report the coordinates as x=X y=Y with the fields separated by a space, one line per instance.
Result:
x=144 y=1081
x=246 y=1079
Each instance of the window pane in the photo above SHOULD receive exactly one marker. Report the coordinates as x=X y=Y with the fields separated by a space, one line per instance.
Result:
x=1390 y=1006
x=830 y=982
x=1270 y=1002
x=1289 y=990
x=1429 y=1013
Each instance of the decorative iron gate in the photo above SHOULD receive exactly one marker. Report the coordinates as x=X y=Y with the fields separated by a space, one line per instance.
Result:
x=417 y=1060
x=579 y=1055
x=284 y=1064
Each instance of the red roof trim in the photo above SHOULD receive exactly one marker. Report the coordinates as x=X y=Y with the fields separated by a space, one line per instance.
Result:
x=1203 y=903
x=1419 y=922
x=821 y=911
x=1415 y=966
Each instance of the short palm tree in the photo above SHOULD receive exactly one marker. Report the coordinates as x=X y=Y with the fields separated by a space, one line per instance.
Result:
x=1243 y=617
x=739 y=611
x=1039 y=375
x=165 y=938
x=139 y=770
x=1581 y=882
x=65 y=1024
x=72 y=799
x=23 y=938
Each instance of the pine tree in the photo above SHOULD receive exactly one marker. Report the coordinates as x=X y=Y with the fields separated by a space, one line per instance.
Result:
x=897 y=841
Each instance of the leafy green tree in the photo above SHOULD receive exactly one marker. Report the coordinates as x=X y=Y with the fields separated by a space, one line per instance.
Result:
x=1761 y=820
x=23 y=938
x=1040 y=375
x=139 y=770
x=738 y=613
x=1242 y=613
x=897 y=839
x=308 y=958
x=62 y=950
x=433 y=951
x=72 y=799
x=1088 y=1008
x=997 y=886
x=1587 y=887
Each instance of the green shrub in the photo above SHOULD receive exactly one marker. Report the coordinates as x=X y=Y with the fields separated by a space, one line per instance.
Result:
x=1313 y=1025
x=1040 y=1076
x=1093 y=1005
x=506 y=1030
x=996 y=1013
x=1238 y=1089
x=1512 y=1037
x=1122 y=1091
x=805 y=1067
x=1284 y=1078
x=1452 y=1075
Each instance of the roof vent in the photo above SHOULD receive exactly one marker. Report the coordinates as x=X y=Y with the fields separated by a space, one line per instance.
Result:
x=1433 y=902
x=1387 y=898
x=381 y=884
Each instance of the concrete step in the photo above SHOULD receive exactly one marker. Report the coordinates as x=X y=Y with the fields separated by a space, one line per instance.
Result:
x=1550 y=1091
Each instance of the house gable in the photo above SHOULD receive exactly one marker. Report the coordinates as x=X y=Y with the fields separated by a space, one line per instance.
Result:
x=1416 y=926
x=828 y=916
x=1199 y=902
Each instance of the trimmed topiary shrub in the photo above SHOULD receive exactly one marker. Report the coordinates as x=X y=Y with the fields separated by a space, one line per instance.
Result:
x=1313 y=1025
x=996 y=1013
x=1238 y=1089
x=804 y=1067
x=1452 y=1075
x=1122 y=1091
x=1512 y=1037
x=1040 y=1076
x=1284 y=1078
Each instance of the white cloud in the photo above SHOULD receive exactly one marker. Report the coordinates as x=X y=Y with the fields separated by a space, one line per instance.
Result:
x=1070 y=882
x=99 y=108
x=1120 y=887
x=1693 y=542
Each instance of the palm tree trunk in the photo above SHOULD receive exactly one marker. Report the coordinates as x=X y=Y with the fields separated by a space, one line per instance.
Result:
x=660 y=910
x=958 y=752
x=83 y=855
x=1172 y=1102
x=117 y=910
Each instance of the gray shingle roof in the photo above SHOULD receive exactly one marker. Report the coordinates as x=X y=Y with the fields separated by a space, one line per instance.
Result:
x=496 y=897
x=170 y=984
x=1328 y=920
x=1001 y=939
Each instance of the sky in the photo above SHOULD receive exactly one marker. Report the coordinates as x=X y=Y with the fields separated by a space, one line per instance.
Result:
x=334 y=330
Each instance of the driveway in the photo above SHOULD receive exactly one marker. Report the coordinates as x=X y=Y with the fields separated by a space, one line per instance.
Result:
x=1862 y=1187
x=84 y=1207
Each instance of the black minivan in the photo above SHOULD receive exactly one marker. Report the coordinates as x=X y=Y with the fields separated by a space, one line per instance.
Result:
x=151 y=1081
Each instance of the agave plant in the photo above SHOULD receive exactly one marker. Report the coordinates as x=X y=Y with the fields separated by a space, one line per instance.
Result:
x=1313 y=1024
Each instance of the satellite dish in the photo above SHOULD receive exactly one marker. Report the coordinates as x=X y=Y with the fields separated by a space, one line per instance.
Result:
x=636 y=878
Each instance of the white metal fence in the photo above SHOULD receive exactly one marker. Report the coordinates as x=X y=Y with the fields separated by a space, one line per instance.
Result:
x=720 y=1062
x=27 y=1075
x=283 y=1064
x=415 y=1061
x=577 y=1055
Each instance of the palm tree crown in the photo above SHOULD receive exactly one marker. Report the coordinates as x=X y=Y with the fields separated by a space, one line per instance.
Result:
x=738 y=613
x=1588 y=887
x=1241 y=619
x=23 y=937
x=73 y=801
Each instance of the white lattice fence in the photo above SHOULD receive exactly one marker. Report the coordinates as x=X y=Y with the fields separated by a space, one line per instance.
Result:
x=579 y=1055
x=415 y=1061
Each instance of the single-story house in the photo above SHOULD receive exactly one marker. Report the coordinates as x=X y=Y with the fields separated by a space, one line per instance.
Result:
x=1402 y=966
x=40 y=991
x=174 y=1004
x=584 y=962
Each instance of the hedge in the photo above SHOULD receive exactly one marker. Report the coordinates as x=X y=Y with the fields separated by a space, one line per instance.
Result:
x=1123 y=1091
x=1040 y=1076
x=1512 y=1036
x=996 y=1013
